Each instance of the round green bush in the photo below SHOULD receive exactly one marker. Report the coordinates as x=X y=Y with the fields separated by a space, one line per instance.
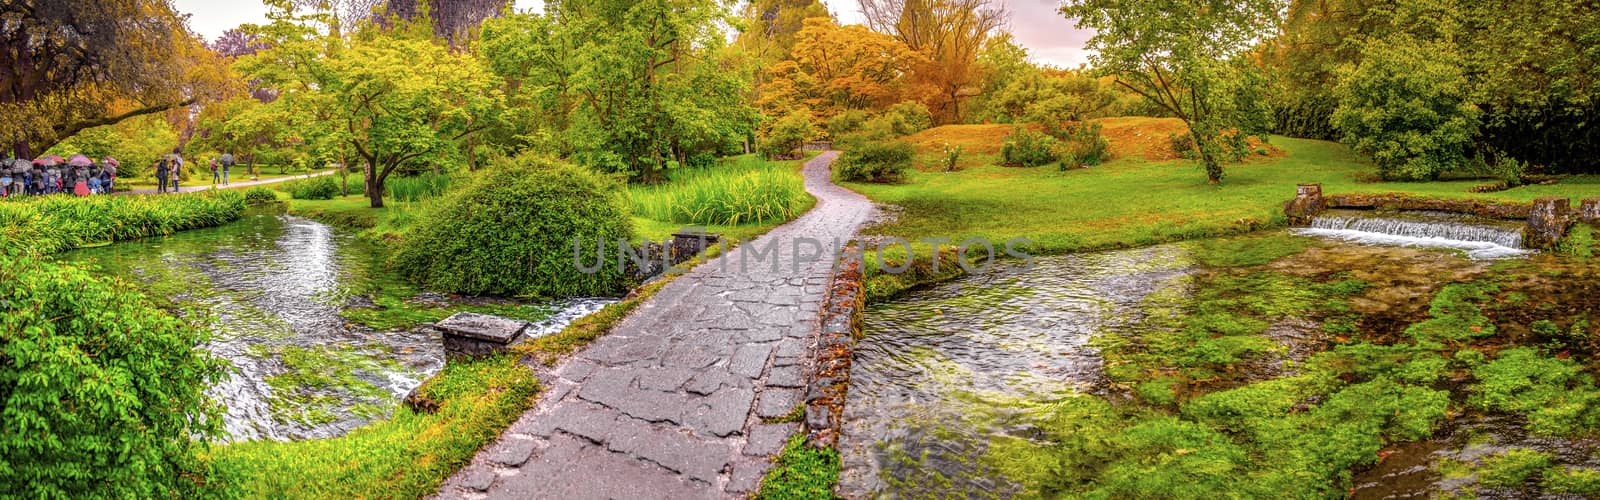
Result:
x=260 y=194
x=1027 y=148
x=883 y=162
x=101 y=393
x=511 y=231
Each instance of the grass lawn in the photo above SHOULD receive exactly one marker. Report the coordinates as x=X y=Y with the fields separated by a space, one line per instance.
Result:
x=1134 y=202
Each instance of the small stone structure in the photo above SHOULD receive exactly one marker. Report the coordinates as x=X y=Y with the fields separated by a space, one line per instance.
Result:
x=1589 y=211
x=687 y=244
x=841 y=328
x=1547 y=223
x=476 y=335
x=1307 y=203
x=1395 y=201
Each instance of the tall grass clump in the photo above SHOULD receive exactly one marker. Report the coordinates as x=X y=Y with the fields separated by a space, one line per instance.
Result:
x=415 y=188
x=52 y=224
x=746 y=192
x=317 y=188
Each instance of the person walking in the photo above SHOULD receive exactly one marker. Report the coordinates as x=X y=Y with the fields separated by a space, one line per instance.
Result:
x=163 y=170
x=177 y=170
x=111 y=165
x=216 y=174
x=227 y=163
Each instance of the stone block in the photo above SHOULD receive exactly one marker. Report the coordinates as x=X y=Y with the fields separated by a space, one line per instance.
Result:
x=1589 y=211
x=477 y=335
x=1547 y=223
x=1307 y=203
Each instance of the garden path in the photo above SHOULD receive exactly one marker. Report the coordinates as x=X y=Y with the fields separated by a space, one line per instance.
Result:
x=678 y=401
x=199 y=184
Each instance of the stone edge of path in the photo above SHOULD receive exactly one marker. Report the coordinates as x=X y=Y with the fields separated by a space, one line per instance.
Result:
x=841 y=319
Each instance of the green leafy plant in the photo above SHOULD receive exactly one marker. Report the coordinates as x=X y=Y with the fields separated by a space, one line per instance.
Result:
x=418 y=187
x=801 y=472
x=1083 y=144
x=1406 y=105
x=513 y=229
x=52 y=224
x=787 y=135
x=99 y=401
x=952 y=155
x=260 y=194
x=1027 y=148
x=876 y=162
x=318 y=188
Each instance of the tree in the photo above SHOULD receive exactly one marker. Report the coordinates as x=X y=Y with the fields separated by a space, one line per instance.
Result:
x=836 y=68
x=950 y=34
x=773 y=27
x=1186 y=56
x=629 y=85
x=1406 y=105
x=385 y=99
x=70 y=65
x=452 y=20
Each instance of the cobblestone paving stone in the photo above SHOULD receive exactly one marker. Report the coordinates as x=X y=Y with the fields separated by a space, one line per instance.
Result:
x=675 y=402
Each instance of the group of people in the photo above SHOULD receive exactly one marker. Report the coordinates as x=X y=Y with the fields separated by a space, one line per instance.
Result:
x=169 y=169
x=79 y=175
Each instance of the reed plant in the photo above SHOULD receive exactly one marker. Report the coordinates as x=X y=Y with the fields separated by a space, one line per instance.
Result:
x=50 y=224
x=418 y=187
x=745 y=191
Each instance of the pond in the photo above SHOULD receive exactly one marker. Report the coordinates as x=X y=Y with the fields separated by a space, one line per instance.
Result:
x=277 y=293
x=948 y=379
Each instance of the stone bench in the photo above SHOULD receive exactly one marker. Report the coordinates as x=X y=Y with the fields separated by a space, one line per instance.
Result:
x=476 y=335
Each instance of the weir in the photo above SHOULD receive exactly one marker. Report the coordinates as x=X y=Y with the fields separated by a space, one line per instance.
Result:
x=1480 y=239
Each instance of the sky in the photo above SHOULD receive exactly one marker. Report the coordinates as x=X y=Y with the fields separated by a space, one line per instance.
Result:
x=1049 y=37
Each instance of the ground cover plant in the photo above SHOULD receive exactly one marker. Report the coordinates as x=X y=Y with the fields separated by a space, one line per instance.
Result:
x=56 y=223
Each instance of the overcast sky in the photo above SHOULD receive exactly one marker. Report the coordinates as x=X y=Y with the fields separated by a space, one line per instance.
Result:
x=1049 y=37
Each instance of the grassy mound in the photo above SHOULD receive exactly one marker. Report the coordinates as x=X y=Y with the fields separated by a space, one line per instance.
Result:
x=512 y=231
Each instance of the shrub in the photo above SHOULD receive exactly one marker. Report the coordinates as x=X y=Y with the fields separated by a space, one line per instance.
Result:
x=1406 y=105
x=318 y=188
x=745 y=192
x=102 y=401
x=905 y=118
x=260 y=194
x=883 y=162
x=952 y=155
x=1026 y=148
x=512 y=231
x=702 y=159
x=1083 y=144
x=846 y=123
x=787 y=135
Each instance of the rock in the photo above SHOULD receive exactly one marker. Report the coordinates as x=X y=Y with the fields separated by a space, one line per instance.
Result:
x=475 y=335
x=1547 y=222
x=1307 y=203
x=420 y=403
x=1589 y=211
x=686 y=245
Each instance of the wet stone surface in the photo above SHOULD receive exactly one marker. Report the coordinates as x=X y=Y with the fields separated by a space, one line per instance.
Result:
x=670 y=404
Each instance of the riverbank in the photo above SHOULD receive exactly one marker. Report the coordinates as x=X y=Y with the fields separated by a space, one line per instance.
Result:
x=1127 y=203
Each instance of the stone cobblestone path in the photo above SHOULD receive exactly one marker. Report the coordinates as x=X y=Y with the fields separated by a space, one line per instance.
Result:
x=675 y=402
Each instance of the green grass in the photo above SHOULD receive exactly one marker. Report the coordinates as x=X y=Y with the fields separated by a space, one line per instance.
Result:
x=1134 y=202
x=417 y=187
x=801 y=472
x=746 y=190
x=407 y=456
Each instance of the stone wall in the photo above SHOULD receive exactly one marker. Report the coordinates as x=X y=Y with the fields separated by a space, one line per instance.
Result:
x=1392 y=201
x=841 y=327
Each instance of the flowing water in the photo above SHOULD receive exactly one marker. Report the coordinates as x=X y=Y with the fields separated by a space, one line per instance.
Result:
x=1479 y=238
x=944 y=370
x=271 y=288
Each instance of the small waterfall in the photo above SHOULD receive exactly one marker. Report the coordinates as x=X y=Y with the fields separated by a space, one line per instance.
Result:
x=1479 y=239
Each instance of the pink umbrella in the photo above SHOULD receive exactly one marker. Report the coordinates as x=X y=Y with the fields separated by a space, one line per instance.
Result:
x=53 y=160
x=111 y=161
x=79 y=160
x=39 y=162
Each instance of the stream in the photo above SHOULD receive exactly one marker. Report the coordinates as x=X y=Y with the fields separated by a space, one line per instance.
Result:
x=271 y=289
x=945 y=370
x=936 y=367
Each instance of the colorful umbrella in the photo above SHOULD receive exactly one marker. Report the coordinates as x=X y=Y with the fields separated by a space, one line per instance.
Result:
x=111 y=161
x=39 y=161
x=79 y=160
x=53 y=160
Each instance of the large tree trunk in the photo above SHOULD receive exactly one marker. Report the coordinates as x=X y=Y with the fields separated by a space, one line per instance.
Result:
x=374 y=184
